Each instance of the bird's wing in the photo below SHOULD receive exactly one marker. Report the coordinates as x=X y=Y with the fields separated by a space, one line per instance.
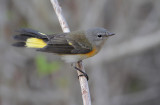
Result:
x=59 y=44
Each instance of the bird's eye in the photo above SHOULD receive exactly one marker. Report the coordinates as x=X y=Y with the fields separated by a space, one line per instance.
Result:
x=99 y=36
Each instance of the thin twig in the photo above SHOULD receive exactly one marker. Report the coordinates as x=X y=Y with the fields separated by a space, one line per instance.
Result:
x=60 y=16
x=84 y=85
x=83 y=82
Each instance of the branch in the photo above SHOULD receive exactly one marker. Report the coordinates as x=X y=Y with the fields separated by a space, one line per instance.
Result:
x=60 y=16
x=83 y=82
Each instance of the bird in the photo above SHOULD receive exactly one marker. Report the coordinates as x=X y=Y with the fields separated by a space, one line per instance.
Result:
x=72 y=46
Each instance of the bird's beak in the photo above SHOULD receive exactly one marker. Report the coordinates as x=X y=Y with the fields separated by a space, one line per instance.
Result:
x=110 y=34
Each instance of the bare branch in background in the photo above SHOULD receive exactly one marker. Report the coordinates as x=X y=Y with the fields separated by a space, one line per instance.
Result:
x=93 y=14
x=83 y=82
x=136 y=98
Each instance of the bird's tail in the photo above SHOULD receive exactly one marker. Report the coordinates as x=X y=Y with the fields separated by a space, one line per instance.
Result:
x=30 y=38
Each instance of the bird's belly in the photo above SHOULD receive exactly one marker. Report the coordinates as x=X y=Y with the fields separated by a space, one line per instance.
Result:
x=73 y=58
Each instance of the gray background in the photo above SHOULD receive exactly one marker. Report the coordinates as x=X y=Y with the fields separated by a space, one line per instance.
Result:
x=125 y=72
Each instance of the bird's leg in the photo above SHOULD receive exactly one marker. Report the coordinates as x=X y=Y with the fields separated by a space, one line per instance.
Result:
x=83 y=73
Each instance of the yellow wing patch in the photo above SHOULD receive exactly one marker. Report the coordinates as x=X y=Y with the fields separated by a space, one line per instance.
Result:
x=70 y=43
x=35 y=43
x=41 y=33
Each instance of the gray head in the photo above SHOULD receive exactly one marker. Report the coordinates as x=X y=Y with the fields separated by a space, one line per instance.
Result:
x=97 y=36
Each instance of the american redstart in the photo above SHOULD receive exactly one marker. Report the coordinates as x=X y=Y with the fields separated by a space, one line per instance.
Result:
x=72 y=47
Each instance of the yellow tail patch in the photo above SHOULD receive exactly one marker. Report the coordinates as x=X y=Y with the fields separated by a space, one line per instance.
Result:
x=35 y=43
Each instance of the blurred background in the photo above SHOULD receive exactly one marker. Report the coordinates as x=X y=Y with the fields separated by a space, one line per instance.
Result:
x=125 y=72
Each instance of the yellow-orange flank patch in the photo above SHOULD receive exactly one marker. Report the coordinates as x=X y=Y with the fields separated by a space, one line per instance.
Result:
x=92 y=53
